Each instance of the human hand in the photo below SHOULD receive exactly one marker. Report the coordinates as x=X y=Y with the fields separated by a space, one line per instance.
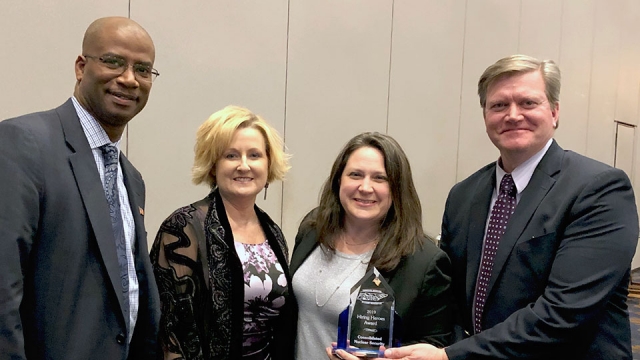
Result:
x=417 y=352
x=345 y=355
x=339 y=355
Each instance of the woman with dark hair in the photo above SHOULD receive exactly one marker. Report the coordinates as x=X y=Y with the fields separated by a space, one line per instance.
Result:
x=369 y=216
x=221 y=262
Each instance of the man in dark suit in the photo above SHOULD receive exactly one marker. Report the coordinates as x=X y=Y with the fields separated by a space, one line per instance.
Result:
x=541 y=241
x=75 y=277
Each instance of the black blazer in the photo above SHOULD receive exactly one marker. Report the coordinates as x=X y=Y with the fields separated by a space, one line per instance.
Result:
x=559 y=284
x=421 y=283
x=60 y=293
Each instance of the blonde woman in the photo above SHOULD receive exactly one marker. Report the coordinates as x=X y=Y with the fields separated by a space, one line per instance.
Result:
x=221 y=262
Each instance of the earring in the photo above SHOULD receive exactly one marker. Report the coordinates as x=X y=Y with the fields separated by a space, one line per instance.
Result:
x=266 y=186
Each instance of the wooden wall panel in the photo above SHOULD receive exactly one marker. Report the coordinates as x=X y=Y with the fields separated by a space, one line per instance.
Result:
x=604 y=81
x=41 y=40
x=540 y=28
x=210 y=54
x=576 y=50
x=629 y=75
x=491 y=32
x=337 y=87
x=427 y=49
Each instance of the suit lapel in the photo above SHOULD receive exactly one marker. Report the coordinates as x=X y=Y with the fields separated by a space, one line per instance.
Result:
x=477 y=222
x=541 y=182
x=135 y=190
x=89 y=184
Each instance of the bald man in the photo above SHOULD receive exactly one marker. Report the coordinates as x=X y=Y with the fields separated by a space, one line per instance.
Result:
x=75 y=277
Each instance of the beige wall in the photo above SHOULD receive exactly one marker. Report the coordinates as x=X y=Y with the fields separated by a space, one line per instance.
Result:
x=322 y=71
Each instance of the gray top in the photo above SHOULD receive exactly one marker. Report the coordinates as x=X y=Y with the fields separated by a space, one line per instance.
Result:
x=322 y=285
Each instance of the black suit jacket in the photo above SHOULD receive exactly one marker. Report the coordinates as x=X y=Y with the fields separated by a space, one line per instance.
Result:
x=559 y=284
x=421 y=284
x=60 y=293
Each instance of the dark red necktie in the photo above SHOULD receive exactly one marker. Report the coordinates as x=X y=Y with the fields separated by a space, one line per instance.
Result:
x=503 y=208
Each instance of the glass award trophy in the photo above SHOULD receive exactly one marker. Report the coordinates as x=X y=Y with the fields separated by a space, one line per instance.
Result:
x=370 y=319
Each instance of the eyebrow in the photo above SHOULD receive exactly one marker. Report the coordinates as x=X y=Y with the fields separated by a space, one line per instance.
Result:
x=251 y=149
x=516 y=97
x=383 y=172
x=146 y=63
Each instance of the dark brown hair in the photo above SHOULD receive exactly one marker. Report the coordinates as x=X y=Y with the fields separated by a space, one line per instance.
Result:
x=401 y=230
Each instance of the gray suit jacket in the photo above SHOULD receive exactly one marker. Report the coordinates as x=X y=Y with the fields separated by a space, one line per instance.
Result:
x=60 y=293
x=559 y=284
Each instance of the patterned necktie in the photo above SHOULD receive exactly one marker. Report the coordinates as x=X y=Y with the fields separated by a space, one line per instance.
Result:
x=110 y=155
x=502 y=210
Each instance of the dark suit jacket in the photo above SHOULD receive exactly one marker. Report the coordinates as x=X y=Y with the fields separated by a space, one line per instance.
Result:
x=60 y=293
x=559 y=284
x=421 y=284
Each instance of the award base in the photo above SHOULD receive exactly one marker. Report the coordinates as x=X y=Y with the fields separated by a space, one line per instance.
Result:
x=361 y=353
x=343 y=342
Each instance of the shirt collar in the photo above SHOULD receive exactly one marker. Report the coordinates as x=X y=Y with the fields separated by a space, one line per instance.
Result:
x=95 y=134
x=523 y=173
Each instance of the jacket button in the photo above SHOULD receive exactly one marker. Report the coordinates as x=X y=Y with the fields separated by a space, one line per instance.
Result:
x=120 y=339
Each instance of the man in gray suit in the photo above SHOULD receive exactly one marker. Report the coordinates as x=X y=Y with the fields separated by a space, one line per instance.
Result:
x=75 y=277
x=541 y=241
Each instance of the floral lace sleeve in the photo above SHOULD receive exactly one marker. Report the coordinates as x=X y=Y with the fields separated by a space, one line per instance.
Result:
x=174 y=255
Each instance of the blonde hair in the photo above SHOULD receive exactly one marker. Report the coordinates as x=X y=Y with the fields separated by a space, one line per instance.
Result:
x=214 y=137
x=519 y=64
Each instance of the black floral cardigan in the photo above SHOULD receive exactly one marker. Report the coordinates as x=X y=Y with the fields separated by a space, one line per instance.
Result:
x=201 y=285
